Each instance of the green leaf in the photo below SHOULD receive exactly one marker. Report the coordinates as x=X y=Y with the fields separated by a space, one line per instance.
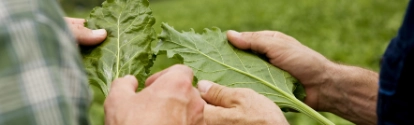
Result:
x=127 y=49
x=212 y=58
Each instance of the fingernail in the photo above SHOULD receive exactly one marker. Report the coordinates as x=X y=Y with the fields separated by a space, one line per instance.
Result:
x=234 y=33
x=99 y=32
x=204 y=86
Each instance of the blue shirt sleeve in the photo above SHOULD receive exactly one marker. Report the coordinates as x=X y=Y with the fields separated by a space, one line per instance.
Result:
x=396 y=85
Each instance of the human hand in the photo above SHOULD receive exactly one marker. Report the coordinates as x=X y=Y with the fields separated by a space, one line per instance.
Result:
x=238 y=106
x=285 y=52
x=168 y=99
x=83 y=35
x=347 y=91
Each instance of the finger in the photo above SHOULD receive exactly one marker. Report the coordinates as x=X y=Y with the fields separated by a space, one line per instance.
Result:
x=196 y=108
x=267 y=33
x=85 y=36
x=216 y=94
x=153 y=77
x=275 y=34
x=88 y=37
x=261 y=42
x=123 y=86
x=180 y=70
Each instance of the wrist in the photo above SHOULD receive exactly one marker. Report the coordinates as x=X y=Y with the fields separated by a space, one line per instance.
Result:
x=350 y=92
x=330 y=92
x=319 y=85
x=324 y=92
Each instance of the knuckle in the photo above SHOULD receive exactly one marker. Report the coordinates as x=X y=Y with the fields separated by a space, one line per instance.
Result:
x=256 y=41
x=199 y=106
x=283 y=36
x=79 y=27
x=181 y=68
x=186 y=84
x=255 y=35
x=182 y=84
x=183 y=75
x=184 y=81
x=278 y=34
x=218 y=95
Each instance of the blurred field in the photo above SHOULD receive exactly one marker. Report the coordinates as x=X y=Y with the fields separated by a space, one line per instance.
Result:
x=353 y=32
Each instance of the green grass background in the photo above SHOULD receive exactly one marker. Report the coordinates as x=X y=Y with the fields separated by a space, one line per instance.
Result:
x=352 y=32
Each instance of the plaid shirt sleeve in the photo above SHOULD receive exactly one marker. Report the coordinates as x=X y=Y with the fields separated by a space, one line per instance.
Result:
x=42 y=80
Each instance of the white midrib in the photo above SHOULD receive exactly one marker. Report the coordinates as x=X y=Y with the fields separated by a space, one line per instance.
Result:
x=118 y=48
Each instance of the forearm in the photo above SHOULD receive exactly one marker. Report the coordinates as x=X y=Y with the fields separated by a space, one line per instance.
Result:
x=351 y=92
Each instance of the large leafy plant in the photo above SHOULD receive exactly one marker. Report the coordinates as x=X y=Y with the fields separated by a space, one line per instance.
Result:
x=127 y=50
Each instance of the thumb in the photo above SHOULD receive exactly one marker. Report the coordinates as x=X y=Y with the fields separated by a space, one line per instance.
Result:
x=215 y=94
x=85 y=36
x=88 y=37
x=262 y=42
x=250 y=40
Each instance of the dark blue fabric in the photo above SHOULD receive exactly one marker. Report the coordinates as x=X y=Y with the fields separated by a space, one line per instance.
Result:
x=395 y=97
